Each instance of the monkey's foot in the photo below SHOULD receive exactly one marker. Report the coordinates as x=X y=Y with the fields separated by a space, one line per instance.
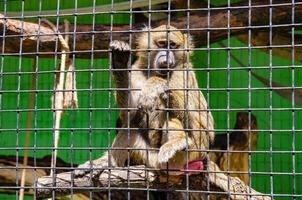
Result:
x=120 y=54
x=88 y=169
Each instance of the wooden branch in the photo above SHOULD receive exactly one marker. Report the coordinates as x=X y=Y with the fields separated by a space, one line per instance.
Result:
x=282 y=41
x=138 y=177
x=36 y=167
x=118 y=178
x=8 y=164
x=198 y=24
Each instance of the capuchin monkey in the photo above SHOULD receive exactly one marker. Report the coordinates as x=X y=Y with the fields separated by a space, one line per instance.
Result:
x=165 y=119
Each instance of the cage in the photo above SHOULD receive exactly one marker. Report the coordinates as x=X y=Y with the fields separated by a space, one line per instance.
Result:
x=58 y=107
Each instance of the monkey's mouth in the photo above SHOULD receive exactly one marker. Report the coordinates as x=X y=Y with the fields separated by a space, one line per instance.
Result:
x=164 y=71
x=165 y=65
x=193 y=167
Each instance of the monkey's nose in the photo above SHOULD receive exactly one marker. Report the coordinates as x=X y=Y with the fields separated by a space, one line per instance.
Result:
x=168 y=63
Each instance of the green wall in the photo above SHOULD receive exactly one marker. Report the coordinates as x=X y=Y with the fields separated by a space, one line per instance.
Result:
x=100 y=118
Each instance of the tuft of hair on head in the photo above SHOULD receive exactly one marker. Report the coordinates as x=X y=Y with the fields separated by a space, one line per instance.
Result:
x=142 y=41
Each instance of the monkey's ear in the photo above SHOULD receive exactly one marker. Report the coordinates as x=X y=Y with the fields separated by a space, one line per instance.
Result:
x=188 y=42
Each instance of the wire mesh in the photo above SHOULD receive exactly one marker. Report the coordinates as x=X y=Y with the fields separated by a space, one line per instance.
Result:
x=247 y=60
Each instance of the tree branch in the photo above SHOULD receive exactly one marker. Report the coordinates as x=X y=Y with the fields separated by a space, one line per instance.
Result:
x=139 y=177
x=31 y=33
x=281 y=43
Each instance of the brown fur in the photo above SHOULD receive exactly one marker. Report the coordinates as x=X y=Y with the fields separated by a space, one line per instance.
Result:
x=238 y=141
x=174 y=138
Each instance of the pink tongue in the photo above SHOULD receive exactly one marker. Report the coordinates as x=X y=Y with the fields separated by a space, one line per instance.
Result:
x=193 y=165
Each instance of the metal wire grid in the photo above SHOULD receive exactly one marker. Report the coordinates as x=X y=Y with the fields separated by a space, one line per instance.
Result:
x=207 y=90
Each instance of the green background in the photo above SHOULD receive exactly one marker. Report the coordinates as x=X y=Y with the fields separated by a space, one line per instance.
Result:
x=93 y=93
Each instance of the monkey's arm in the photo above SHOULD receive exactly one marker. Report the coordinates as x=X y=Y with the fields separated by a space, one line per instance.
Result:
x=127 y=82
x=120 y=57
x=174 y=139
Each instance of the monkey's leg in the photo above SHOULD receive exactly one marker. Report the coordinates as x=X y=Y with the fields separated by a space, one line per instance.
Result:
x=113 y=157
x=131 y=146
x=119 y=154
x=174 y=139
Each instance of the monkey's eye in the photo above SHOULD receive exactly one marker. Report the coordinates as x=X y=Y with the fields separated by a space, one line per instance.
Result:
x=161 y=43
x=173 y=45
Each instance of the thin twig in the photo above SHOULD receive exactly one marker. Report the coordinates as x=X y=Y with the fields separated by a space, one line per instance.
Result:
x=27 y=135
x=58 y=96
x=70 y=96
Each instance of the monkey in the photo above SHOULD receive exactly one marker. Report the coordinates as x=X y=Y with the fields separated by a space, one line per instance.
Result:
x=169 y=83
x=175 y=64
x=239 y=140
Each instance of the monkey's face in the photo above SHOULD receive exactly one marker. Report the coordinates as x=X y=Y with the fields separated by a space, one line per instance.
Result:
x=164 y=59
x=167 y=49
x=244 y=122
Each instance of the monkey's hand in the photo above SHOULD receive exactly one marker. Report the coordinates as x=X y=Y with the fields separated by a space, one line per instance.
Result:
x=152 y=97
x=170 y=148
x=120 y=54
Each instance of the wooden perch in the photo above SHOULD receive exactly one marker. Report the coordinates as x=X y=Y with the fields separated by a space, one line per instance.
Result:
x=198 y=25
x=138 y=177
